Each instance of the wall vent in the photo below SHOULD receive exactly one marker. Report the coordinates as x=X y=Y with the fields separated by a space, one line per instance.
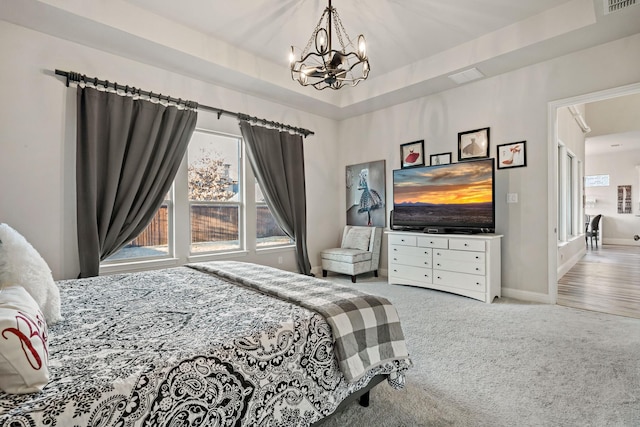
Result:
x=611 y=6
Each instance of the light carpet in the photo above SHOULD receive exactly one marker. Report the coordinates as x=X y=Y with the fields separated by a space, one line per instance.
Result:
x=510 y=363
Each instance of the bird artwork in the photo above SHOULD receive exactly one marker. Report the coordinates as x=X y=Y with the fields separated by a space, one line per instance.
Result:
x=412 y=157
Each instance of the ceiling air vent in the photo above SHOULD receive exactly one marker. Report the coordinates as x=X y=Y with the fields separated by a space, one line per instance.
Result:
x=611 y=6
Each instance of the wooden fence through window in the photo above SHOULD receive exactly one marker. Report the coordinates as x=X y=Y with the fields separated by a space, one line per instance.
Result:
x=209 y=223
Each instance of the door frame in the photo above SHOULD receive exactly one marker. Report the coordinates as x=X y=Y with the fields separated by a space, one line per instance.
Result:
x=552 y=181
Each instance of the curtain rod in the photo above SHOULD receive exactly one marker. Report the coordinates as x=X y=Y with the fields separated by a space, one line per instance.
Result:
x=72 y=76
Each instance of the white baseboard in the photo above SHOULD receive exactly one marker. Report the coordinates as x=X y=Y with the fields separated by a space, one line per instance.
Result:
x=566 y=266
x=623 y=242
x=526 y=295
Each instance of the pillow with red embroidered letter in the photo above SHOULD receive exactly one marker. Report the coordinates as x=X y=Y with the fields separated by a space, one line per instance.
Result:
x=23 y=342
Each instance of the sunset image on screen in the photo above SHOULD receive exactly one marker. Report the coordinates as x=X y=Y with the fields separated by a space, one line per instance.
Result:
x=462 y=183
x=455 y=196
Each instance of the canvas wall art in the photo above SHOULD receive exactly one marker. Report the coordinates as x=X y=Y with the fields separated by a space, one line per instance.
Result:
x=366 y=194
x=624 y=199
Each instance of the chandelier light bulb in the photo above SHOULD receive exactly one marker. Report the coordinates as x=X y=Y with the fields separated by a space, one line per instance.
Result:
x=362 y=47
x=292 y=57
x=321 y=41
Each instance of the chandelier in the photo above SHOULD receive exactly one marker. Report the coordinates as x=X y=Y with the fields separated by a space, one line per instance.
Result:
x=328 y=67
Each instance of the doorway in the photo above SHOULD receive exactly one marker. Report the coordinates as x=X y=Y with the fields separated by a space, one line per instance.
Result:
x=555 y=190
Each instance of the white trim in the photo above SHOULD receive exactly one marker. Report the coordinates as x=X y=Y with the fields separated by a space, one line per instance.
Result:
x=526 y=296
x=131 y=266
x=566 y=266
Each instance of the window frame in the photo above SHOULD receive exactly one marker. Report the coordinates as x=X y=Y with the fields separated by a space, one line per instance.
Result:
x=179 y=237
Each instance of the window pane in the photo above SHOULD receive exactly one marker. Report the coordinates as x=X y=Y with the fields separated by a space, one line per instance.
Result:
x=152 y=242
x=268 y=232
x=214 y=198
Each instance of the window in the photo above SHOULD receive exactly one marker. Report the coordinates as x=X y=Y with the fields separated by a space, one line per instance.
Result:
x=596 y=181
x=153 y=242
x=215 y=208
x=209 y=210
x=569 y=190
x=268 y=232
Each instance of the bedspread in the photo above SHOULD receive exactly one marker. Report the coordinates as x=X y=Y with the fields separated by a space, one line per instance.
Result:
x=357 y=319
x=183 y=347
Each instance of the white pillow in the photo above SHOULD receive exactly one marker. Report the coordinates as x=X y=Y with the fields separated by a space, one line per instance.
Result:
x=24 y=353
x=358 y=238
x=21 y=264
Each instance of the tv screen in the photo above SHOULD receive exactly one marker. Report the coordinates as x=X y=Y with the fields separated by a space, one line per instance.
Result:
x=456 y=197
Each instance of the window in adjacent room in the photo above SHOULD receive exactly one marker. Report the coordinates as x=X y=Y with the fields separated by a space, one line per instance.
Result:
x=570 y=210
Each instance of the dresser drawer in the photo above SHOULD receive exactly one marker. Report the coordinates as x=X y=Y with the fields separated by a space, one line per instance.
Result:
x=459 y=266
x=402 y=239
x=459 y=280
x=433 y=242
x=420 y=260
x=467 y=245
x=415 y=274
x=410 y=255
x=465 y=256
x=409 y=250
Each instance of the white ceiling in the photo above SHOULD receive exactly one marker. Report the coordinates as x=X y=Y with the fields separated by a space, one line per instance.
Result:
x=612 y=143
x=413 y=45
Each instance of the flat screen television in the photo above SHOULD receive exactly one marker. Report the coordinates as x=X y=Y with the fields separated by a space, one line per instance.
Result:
x=451 y=198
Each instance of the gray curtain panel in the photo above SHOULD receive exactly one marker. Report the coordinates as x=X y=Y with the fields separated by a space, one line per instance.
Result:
x=128 y=152
x=277 y=160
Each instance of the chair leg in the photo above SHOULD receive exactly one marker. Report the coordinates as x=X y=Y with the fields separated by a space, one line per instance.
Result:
x=324 y=273
x=353 y=279
x=375 y=273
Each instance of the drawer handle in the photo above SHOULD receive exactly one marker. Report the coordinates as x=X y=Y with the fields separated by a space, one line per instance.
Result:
x=395 y=249
x=438 y=264
x=477 y=283
x=439 y=277
x=477 y=257
x=477 y=269
x=466 y=244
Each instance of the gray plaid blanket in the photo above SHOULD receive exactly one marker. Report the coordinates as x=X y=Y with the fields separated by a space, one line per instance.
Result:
x=366 y=328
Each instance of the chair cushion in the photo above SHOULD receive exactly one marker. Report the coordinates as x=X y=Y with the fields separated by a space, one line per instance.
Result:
x=346 y=255
x=358 y=238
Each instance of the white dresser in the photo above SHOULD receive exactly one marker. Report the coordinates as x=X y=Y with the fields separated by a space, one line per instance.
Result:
x=466 y=265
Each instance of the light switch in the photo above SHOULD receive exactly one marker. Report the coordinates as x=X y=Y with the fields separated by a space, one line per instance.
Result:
x=512 y=197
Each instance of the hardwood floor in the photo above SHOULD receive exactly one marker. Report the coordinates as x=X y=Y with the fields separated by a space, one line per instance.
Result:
x=606 y=279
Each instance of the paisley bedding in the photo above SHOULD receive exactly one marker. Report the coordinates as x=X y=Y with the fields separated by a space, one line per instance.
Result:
x=184 y=347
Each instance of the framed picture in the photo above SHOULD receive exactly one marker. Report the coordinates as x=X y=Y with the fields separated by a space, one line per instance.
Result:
x=440 y=159
x=412 y=154
x=473 y=144
x=512 y=155
x=366 y=199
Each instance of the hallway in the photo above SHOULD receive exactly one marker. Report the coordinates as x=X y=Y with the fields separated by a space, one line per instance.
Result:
x=606 y=279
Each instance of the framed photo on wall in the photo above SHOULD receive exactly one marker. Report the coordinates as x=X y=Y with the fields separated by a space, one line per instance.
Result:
x=440 y=159
x=512 y=155
x=473 y=144
x=412 y=154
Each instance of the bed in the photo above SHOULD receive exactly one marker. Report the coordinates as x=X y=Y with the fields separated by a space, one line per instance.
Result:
x=220 y=343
